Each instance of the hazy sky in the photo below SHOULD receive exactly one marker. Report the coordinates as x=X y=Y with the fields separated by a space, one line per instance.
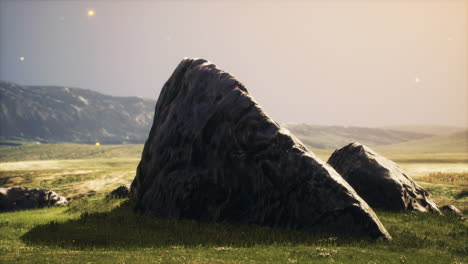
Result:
x=365 y=63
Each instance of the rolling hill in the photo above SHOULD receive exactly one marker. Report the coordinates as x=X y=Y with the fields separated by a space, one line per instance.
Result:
x=434 y=130
x=51 y=114
x=332 y=137
x=454 y=142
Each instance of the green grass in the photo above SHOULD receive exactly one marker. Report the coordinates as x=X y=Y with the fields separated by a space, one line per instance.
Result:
x=79 y=151
x=100 y=230
x=67 y=151
x=71 y=178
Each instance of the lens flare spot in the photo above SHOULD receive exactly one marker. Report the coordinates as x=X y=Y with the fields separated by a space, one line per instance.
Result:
x=90 y=13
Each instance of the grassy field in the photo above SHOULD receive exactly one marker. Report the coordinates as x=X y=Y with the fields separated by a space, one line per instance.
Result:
x=94 y=229
x=71 y=178
x=68 y=151
x=98 y=230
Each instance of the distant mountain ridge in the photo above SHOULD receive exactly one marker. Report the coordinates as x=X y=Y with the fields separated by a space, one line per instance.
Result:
x=54 y=114
x=51 y=114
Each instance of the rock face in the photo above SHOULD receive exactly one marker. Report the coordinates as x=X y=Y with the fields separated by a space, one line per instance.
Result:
x=121 y=192
x=452 y=211
x=21 y=198
x=214 y=155
x=379 y=181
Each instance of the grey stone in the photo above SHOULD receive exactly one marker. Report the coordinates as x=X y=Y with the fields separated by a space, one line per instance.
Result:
x=121 y=192
x=214 y=155
x=452 y=211
x=379 y=181
x=21 y=198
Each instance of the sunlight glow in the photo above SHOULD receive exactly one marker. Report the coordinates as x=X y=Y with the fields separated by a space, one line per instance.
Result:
x=90 y=13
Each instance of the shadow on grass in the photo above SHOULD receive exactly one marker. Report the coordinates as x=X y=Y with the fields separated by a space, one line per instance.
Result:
x=121 y=228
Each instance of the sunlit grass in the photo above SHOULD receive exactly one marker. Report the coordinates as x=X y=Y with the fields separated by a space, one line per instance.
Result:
x=68 y=151
x=101 y=230
x=70 y=178
x=460 y=178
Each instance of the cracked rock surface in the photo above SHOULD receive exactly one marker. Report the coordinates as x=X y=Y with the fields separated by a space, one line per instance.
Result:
x=379 y=181
x=214 y=155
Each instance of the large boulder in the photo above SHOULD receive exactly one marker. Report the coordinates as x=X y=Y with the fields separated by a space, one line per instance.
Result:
x=214 y=155
x=21 y=198
x=379 y=181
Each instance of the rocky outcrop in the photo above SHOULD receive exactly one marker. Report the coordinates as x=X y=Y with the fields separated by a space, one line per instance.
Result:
x=451 y=210
x=121 y=192
x=214 y=155
x=21 y=198
x=379 y=181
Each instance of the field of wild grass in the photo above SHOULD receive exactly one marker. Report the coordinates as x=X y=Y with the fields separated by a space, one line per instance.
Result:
x=72 y=178
x=100 y=230
x=95 y=229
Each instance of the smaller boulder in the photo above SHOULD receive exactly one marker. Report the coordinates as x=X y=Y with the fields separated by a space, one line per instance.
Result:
x=379 y=181
x=451 y=211
x=121 y=192
x=22 y=198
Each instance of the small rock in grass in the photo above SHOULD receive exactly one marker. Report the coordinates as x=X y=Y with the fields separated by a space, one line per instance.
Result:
x=121 y=192
x=22 y=198
x=452 y=211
